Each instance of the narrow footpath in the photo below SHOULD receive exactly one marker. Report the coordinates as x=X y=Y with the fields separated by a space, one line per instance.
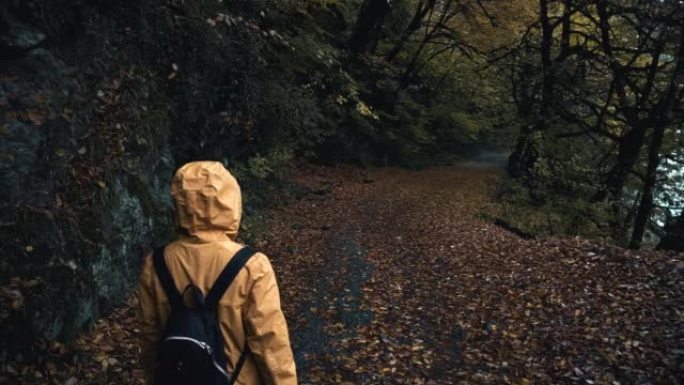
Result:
x=392 y=278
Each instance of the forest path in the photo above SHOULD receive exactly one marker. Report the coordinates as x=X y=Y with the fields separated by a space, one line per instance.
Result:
x=389 y=276
x=386 y=246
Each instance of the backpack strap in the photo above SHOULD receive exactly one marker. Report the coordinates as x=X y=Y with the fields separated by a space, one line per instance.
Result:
x=220 y=286
x=238 y=366
x=175 y=298
x=227 y=276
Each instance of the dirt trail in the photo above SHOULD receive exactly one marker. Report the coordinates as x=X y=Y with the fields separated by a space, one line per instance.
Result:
x=389 y=276
x=402 y=226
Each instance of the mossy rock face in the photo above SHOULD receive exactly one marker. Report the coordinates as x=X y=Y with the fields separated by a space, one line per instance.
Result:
x=85 y=164
x=92 y=126
x=85 y=273
x=91 y=130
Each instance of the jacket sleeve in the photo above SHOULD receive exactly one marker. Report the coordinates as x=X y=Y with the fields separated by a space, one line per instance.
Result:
x=267 y=334
x=148 y=316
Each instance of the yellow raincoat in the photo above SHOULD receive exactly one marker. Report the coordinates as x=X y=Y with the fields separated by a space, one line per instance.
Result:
x=209 y=206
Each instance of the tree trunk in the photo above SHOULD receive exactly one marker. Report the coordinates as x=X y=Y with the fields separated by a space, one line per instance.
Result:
x=662 y=121
x=628 y=153
x=421 y=10
x=567 y=27
x=646 y=204
x=674 y=237
x=369 y=25
x=408 y=71
x=527 y=150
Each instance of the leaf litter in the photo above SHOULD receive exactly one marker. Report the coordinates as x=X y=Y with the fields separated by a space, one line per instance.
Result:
x=387 y=276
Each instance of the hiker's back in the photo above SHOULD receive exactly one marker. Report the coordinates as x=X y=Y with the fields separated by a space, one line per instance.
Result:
x=199 y=264
x=209 y=207
x=191 y=262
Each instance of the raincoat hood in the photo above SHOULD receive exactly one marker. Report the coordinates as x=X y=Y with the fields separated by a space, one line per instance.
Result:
x=208 y=200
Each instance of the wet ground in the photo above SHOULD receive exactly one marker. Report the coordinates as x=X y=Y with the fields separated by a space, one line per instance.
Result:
x=344 y=304
x=390 y=276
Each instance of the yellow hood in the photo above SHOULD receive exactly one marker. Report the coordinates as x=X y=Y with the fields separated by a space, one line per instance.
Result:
x=208 y=200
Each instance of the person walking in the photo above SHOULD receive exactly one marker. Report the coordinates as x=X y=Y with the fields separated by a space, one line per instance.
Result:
x=206 y=278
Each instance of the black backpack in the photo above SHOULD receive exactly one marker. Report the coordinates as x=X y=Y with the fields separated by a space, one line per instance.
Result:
x=191 y=351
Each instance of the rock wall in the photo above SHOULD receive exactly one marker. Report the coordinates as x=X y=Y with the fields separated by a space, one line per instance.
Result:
x=96 y=98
